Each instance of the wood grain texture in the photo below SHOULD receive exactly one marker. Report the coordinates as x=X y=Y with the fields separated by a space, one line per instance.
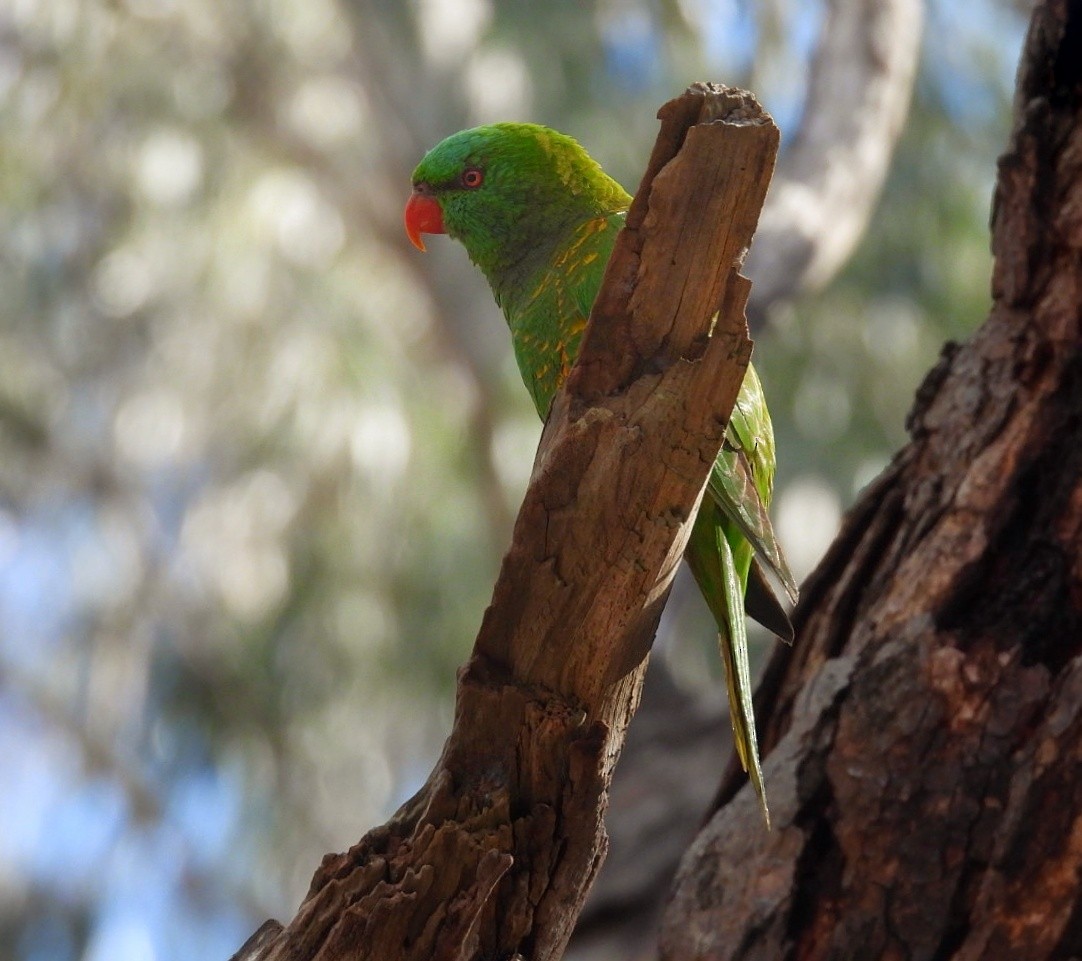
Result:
x=494 y=856
x=924 y=738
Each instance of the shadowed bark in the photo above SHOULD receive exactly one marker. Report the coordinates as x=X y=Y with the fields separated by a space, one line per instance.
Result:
x=495 y=854
x=924 y=737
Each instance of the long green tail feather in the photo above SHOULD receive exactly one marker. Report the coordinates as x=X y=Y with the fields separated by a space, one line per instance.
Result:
x=733 y=641
x=722 y=577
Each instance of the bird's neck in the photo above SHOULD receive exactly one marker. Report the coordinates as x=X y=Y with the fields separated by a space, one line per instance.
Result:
x=512 y=259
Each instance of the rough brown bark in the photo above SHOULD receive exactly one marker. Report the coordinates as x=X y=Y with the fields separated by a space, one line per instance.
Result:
x=494 y=856
x=925 y=735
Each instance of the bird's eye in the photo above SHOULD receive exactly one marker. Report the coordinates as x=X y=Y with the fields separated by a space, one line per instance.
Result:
x=472 y=178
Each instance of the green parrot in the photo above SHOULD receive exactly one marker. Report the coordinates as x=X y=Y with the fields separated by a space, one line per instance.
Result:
x=538 y=216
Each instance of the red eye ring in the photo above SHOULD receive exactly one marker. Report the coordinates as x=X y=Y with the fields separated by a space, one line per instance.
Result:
x=472 y=177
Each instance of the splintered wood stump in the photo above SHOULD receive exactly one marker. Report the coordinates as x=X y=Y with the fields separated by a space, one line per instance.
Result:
x=925 y=738
x=493 y=858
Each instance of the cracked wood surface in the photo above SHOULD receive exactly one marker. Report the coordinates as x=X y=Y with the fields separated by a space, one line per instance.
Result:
x=494 y=856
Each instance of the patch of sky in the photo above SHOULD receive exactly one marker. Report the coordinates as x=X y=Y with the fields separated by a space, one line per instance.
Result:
x=212 y=933
x=124 y=935
x=961 y=41
x=35 y=581
x=83 y=826
x=46 y=938
x=205 y=807
x=728 y=30
x=787 y=88
x=31 y=759
x=632 y=44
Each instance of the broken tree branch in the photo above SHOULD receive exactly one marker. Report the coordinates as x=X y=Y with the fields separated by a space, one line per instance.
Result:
x=494 y=856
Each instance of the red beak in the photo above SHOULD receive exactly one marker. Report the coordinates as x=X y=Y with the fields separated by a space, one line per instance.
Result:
x=423 y=216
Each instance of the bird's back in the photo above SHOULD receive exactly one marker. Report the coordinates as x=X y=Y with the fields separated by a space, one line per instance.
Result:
x=549 y=313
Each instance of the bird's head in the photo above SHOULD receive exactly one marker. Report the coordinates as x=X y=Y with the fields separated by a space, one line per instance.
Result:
x=504 y=189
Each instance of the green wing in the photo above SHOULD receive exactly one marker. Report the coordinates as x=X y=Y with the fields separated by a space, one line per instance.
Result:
x=731 y=532
x=742 y=479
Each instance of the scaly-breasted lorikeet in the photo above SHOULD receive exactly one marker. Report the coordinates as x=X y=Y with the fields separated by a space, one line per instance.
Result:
x=539 y=217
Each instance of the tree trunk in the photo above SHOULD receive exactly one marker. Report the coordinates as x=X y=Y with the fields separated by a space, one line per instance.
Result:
x=924 y=736
x=493 y=858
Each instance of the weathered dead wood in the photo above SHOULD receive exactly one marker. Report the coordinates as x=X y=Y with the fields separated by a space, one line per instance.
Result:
x=925 y=737
x=494 y=856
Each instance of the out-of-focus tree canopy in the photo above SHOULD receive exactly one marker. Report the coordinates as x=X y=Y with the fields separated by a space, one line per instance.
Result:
x=259 y=458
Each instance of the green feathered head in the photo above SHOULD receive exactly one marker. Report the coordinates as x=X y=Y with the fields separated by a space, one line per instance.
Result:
x=508 y=192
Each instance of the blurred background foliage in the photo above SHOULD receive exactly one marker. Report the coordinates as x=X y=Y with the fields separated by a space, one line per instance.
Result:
x=259 y=459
